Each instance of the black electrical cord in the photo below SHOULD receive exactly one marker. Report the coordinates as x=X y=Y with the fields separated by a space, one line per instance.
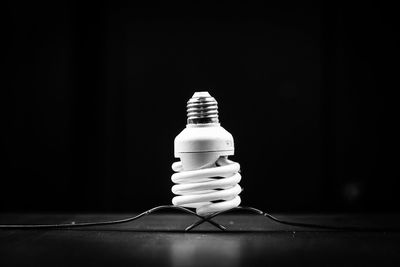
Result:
x=307 y=225
x=89 y=224
x=192 y=226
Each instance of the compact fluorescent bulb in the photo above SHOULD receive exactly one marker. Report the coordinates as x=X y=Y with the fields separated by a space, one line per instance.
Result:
x=205 y=178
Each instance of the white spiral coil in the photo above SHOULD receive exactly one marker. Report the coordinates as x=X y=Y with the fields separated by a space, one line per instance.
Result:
x=210 y=189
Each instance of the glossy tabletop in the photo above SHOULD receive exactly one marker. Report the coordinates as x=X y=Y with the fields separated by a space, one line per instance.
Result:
x=158 y=240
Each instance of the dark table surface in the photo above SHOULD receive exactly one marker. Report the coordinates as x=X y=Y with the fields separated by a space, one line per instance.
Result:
x=157 y=240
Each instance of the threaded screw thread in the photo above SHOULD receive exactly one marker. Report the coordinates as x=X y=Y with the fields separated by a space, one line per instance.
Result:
x=202 y=108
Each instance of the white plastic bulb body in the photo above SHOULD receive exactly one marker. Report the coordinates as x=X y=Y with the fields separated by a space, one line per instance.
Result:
x=205 y=178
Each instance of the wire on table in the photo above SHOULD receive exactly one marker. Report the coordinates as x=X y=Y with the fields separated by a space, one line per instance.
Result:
x=125 y=220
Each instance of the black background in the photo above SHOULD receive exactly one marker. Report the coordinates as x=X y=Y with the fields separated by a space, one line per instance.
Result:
x=94 y=94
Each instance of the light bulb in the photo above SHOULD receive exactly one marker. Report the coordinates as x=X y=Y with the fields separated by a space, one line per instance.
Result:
x=205 y=179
